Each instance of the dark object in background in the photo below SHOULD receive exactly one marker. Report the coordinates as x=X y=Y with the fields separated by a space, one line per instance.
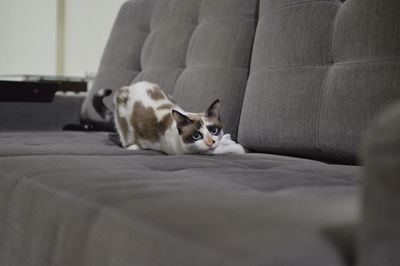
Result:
x=101 y=109
x=99 y=106
x=32 y=88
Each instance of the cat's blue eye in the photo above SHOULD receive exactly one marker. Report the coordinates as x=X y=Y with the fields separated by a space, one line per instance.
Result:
x=214 y=130
x=197 y=136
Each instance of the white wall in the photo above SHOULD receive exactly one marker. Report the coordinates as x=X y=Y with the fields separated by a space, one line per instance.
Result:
x=87 y=26
x=28 y=35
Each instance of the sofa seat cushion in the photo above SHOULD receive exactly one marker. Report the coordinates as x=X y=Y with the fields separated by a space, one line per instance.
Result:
x=252 y=209
x=60 y=143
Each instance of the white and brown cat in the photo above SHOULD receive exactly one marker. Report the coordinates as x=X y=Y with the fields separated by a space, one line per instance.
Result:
x=146 y=119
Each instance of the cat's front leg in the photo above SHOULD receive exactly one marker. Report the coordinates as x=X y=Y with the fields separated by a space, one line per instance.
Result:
x=133 y=147
x=228 y=146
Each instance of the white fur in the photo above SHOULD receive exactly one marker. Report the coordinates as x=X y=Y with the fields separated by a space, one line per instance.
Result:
x=171 y=142
x=133 y=147
x=228 y=146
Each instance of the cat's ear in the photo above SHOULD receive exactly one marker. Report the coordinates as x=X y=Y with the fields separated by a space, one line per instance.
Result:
x=181 y=119
x=213 y=110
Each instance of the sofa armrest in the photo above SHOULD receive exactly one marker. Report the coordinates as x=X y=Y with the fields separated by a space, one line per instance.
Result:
x=24 y=116
x=380 y=229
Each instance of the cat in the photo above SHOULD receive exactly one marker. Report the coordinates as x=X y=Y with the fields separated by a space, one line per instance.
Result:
x=146 y=118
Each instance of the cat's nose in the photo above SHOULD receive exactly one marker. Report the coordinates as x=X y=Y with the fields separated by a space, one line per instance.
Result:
x=210 y=142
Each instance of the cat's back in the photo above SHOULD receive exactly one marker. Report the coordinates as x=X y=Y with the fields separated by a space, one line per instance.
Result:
x=148 y=112
x=147 y=93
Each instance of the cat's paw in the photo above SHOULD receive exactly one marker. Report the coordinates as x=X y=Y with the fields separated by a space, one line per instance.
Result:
x=133 y=147
x=232 y=148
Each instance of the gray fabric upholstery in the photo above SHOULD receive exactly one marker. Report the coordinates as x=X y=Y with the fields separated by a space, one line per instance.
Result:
x=320 y=70
x=196 y=50
x=253 y=209
x=380 y=236
x=23 y=116
x=44 y=143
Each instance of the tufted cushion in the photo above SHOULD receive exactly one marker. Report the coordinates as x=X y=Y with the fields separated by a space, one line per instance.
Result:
x=320 y=70
x=227 y=210
x=197 y=50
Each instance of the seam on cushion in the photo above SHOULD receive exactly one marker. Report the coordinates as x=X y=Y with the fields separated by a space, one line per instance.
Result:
x=173 y=22
x=162 y=67
x=214 y=21
x=190 y=45
x=217 y=67
x=333 y=30
x=227 y=19
x=152 y=14
x=132 y=78
x=373 y=61
x=284 y=67
x=196 y=23
x=134 y=74
x=180 y=69
x=249 y=61
x=139 y=68
x=323 y=88
x=145 y=40
x=293 y=4
x=142 y=65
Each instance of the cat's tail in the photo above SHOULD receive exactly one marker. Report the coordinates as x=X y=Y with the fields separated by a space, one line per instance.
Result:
x=104 y=101
x=98 y=103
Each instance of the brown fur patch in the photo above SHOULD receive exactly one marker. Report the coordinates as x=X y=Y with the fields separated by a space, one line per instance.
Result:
x=167 y=106
x=145 y=124
x=122 y=96
x=188 y=131
x=216 y=123
x=156 y=93
x=122 y=101
x=165 y=123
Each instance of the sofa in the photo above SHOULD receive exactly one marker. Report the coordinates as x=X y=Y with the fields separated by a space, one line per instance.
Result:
x=308 y=86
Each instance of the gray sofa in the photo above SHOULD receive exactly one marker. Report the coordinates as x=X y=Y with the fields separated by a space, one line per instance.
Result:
x=299 y=81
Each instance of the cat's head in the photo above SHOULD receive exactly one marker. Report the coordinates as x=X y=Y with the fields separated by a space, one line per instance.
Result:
x=200 y=132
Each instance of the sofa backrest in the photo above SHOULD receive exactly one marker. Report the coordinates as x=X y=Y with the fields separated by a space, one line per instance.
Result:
x=197 y=50
x=320 y=70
